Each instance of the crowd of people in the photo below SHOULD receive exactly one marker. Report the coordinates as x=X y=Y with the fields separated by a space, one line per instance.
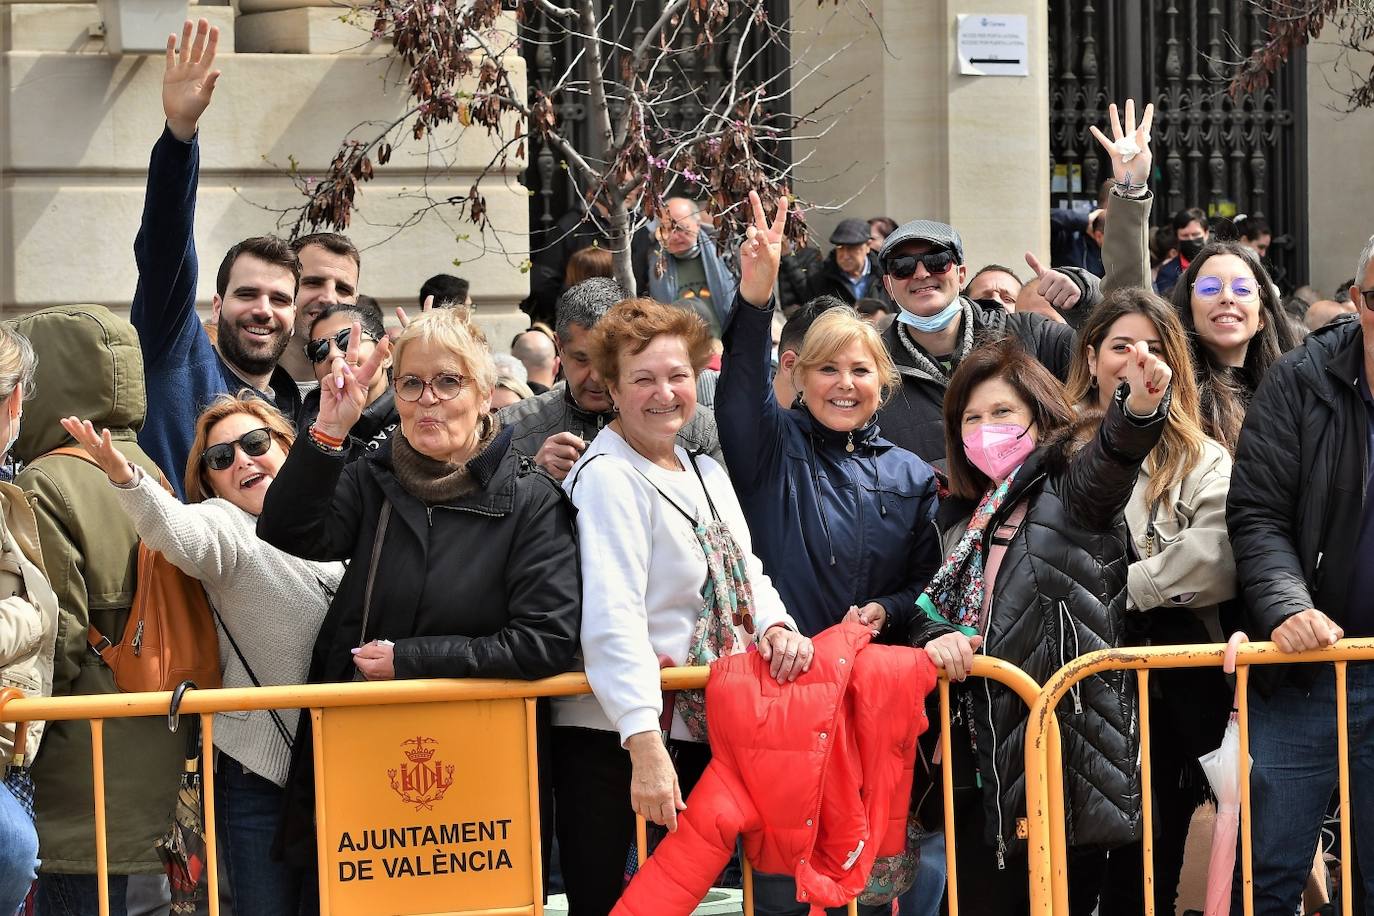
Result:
x=841 y=473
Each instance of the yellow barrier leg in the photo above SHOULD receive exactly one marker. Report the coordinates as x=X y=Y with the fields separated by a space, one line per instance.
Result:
x=207 y=782
x=1343 y=749
x=536 y=840
x=1146 y=793
x=1059 y=844
x=641 y=840
x=748 y=871
x=854 y=907
x=947 y=788
x=102 y=864
x=1243 y=715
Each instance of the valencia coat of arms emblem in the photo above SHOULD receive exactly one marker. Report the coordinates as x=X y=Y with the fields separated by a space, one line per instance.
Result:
x=422 y=779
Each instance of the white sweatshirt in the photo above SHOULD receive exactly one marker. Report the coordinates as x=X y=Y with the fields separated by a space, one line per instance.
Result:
x=272 y=603
x=642 y=574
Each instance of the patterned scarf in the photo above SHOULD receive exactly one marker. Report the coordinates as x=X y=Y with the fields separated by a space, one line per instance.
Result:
x=727 y=607
x=956 y=591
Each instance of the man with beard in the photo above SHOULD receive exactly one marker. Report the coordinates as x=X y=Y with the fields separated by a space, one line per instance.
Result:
x=255 y=288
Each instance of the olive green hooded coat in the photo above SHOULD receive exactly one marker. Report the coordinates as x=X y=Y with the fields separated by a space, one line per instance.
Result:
x=90 y=366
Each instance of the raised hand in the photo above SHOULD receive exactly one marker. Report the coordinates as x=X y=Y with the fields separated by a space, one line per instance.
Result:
x=343 y=393
x=761 y=253
x=100 y=447
x=1056 y=286
x=1129 y=149
x=404 y=319
x=189 y=80
x=1148 y=377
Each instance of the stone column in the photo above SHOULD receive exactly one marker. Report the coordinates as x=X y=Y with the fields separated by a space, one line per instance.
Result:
x=79 y=124
x=922 y=141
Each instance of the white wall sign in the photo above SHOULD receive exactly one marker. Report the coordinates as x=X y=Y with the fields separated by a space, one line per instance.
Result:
x=993 y=45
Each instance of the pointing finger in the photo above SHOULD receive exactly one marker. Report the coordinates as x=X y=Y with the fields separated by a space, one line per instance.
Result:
x=355 y=332
x=1130 y=117
x=1034 y=264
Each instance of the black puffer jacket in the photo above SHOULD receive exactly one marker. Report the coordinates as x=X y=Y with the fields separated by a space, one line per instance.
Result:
x=1297 y=492
x=912 y=417
x=487 y=585
x=1061 y=592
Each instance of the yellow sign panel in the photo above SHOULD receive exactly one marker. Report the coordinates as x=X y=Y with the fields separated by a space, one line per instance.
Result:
x=427 y=808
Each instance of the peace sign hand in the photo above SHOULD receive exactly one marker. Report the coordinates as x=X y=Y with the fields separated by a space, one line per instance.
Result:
x=188 y=81
x=1148 y=377
x=100 y=447
x=343 y=393
x=761 y=253
x=1129 y=149
x=404 y=319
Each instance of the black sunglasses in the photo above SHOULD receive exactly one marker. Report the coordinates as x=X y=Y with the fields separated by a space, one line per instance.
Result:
x=1368 y=296
x=317 y=350
x=254 y=443
x=903 y=266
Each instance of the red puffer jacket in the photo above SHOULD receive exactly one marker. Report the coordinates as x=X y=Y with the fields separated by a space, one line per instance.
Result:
x=815 y=774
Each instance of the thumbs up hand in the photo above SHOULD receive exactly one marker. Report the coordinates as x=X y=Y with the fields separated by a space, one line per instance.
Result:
x=1054 y=285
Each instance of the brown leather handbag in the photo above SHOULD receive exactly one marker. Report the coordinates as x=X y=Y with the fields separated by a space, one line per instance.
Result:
x=169 y=636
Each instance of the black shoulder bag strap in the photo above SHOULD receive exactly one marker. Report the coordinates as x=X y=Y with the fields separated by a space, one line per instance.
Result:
x=276 y=717
x=382 y=519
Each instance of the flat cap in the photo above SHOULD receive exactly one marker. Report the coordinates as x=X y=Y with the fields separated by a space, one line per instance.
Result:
x=850 y=232
x=924 y=230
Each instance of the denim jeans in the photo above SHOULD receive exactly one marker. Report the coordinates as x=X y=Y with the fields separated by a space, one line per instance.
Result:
x=1292 y=778
x=78 y=895
x=928 y=890
x=776 y=895
x=247 y=808
x=18 y=851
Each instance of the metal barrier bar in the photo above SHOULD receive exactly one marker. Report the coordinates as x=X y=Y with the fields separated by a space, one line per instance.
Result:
x=947 y=789
x=316 y=697
x=536 y=828
x=1247 y=874
x=1343 y=749
x=1146 y=792
x=102 y=863
x=1048 y=852
x=207 y=791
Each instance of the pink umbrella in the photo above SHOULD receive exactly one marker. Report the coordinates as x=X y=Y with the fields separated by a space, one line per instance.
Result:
x=1222 y=767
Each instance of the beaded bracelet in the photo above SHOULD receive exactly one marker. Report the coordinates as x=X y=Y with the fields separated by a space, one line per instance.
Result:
x=324 y=440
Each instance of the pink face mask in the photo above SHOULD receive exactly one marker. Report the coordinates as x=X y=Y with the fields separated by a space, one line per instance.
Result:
x=997 y=449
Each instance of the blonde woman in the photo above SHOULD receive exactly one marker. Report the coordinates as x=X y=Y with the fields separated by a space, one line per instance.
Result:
x=468 y=544
x=842 y=519
x=1183 y=571
x=268 y=607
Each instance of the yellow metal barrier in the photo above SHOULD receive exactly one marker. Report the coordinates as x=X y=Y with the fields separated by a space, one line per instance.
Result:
x=1044 y=769
x=394 y=696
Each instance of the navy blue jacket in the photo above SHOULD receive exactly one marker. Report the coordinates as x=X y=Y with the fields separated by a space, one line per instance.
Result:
x=833 y=528
x=182 y=370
